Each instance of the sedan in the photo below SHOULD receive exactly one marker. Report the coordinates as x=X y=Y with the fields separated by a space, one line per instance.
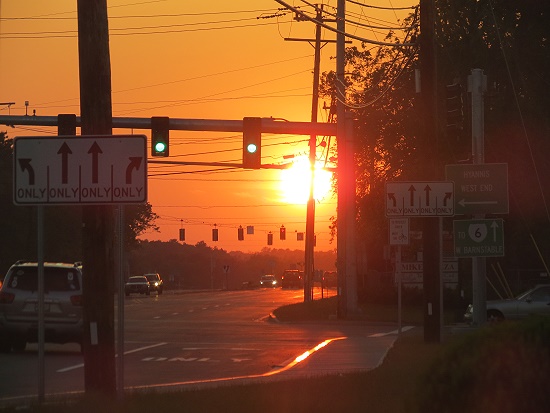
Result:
x=137 y=284
x=535 y=301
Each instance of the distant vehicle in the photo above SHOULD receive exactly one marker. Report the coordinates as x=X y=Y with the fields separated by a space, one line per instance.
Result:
x=19 y=305
x=268 y=281
x=156 y=282
x=535 y=301
x=138 y=284
x=330 y=279
x=292 y=279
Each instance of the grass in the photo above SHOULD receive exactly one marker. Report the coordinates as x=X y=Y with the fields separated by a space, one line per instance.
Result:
x=319 y=310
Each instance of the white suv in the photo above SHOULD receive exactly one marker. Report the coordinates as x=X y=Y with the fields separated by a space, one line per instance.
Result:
x=19 y=305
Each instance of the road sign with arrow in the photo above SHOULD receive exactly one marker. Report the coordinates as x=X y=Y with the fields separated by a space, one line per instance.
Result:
x=479 y=237
x=80 y=170
x=419 y=199
x=479 y=188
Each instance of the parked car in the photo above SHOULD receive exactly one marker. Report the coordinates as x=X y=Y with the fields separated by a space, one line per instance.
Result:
x=156 y=282
x=535 y=301
x=19 y=305
x=292 y=279
x=138 y=284
x=268 y=280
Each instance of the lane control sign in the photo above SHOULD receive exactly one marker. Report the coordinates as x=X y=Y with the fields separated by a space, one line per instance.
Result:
x=80 y=170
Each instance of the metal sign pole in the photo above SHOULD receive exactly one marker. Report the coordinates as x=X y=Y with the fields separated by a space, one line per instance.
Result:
x=120 y=332
x=40 y=262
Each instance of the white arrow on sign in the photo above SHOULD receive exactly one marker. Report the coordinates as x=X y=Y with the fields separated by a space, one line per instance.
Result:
x=463 y=202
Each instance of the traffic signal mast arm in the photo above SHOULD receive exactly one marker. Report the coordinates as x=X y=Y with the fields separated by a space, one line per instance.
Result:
x=268 y=125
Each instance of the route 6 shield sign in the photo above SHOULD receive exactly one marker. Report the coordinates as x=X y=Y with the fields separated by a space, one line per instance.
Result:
x=477 y=232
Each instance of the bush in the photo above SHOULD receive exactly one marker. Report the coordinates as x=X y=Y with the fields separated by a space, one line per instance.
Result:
x=498 y=369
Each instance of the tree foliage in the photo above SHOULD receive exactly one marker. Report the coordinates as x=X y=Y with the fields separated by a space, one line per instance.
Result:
x=509 y=41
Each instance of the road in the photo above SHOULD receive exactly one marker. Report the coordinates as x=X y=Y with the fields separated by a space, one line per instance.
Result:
x=207 y=337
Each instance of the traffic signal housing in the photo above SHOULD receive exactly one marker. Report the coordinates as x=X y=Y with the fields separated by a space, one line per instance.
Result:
x=252 y=143
x=282 y=233
x=160 y=136
x=454 y=106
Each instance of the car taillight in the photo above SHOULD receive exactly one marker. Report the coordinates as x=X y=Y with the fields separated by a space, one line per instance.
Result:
x=6 y=298
x=76 y=300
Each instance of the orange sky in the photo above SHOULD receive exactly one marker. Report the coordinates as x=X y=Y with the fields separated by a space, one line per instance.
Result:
x=187 y=59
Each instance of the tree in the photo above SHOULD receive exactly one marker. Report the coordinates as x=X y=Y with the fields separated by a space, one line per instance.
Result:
x=509 y=41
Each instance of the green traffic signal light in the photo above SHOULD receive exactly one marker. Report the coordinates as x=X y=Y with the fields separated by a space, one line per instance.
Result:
x=252 y=148
x=252 y=143
x=160 y=147
x=160 y=136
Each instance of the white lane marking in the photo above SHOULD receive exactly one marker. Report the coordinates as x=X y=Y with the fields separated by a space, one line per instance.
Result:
x=406 y=328
x=221 y=348
x=77 y=366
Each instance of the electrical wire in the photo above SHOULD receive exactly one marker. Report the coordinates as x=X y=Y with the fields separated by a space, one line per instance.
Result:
x=379 y=7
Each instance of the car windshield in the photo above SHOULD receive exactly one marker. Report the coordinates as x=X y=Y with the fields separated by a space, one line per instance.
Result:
x=55 y=279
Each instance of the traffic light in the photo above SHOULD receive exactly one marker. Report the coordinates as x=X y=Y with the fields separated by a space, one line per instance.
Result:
x=252 y=143
x=182 y=234
x=454 y=106
x=240 y=233
x=269 y=238
x=214 y=234
x=282 y=233
x=160 y=136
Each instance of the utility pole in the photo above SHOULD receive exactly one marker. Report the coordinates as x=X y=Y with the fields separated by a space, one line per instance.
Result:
x=309 y=270
x=98 y=221
x=431 y=225
x=346 y=255
x=477 y=86
x=310 y=215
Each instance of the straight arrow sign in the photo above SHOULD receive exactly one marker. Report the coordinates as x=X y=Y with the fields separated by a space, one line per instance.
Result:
x=419 y=199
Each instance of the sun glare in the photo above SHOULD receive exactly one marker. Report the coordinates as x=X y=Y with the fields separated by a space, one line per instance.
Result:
x=295 y=182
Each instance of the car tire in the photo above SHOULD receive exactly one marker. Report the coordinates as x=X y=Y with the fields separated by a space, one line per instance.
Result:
x=494 y=317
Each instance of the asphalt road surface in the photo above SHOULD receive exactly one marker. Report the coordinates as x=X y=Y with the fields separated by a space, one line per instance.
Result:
x=204 y=338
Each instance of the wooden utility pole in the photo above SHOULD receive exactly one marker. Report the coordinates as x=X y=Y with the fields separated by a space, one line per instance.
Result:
x=431 y=228
x=98 y=221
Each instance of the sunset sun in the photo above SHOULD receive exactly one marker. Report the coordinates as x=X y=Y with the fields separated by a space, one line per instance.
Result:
x=295 y=182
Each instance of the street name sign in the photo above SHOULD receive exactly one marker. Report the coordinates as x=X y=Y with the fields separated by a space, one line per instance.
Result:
x=419 y=199
x=479 y=188
x=479 y=237
x=80 y=170
x=413 y=272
